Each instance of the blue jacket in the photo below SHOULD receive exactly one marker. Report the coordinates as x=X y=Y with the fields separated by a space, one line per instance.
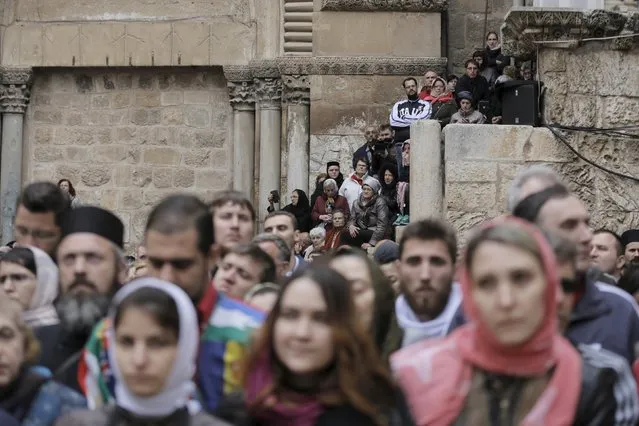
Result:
x=52 y=401
x=7 y=420
x=606 y=316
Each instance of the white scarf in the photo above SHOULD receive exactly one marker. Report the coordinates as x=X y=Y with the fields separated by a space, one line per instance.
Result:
x=41 y=311
x=416 y=330
x=179 y=386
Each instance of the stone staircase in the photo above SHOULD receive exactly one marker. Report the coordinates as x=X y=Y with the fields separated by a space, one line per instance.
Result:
x=298 y=27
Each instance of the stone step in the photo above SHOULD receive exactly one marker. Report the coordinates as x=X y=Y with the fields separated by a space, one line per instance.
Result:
x=298 y=6
x=298 y=16
x=298 y=46
x=298 y=36
x=299 y=26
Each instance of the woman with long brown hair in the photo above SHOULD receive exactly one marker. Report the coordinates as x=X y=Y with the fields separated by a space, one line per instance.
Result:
x=510 y=364
x=314 y=364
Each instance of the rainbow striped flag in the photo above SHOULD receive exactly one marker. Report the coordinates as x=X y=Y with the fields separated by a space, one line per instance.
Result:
x=223 y=346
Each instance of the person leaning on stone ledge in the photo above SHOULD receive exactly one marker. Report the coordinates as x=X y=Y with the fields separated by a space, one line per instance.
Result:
x=467 y=114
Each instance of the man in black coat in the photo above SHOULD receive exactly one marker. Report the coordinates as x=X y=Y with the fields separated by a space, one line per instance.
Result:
x=474 y=83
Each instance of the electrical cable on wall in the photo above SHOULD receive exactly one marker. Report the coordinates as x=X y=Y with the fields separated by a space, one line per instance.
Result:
x=554 y=131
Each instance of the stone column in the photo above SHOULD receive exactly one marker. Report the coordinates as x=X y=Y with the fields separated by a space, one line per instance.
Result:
x=426 y=171
x=15 y=92
x=242 y=100
x=268 y=90
x=296 y=97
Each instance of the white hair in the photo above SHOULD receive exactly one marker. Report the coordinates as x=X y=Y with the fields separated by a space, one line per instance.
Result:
x=537 y=171
x=318 y=232
x=330 y=183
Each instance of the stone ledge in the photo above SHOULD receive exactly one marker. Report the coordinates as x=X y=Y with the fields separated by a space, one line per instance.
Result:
x=218 y=41
x=525 y=27
x=385 y=5
x=361 y=65
x=334 y=65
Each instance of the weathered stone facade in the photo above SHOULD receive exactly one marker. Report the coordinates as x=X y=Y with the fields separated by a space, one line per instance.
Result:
x=128 y=137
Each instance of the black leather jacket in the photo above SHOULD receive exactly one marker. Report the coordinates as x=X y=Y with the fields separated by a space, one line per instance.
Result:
x=596 y=405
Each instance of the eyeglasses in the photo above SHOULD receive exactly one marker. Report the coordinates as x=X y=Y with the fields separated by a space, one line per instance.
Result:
x=36 y=234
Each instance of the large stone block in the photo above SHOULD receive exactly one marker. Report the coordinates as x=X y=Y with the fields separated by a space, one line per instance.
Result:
x=621 y=111
x=161 y=156
x=57 y=35
x=471 y=197
x=377 y=33
x=485 y=142
x=103 y=44
x=96 y=175
x=471 y=171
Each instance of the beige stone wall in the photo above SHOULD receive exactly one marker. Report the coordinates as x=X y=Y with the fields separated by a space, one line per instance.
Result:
x=132 y=32
x=341 y=107
x=466 y=27
x=482 y=160
x=377 y=34
x=128 y=137
x=594 y=86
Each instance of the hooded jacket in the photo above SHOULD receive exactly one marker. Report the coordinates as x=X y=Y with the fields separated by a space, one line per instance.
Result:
x=597 y=317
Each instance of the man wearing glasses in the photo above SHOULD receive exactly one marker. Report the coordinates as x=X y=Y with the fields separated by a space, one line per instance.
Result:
x=39 y=213
x=474 y=83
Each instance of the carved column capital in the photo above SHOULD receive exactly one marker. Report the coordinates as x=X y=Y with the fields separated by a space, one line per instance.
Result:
x=297 y=89
x=241 y=95
x=15 y=89
x=268 y=92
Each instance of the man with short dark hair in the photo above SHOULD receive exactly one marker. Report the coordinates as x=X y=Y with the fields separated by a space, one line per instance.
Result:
x=241 y=268
x=474 y=83
x=607 y=253
x=181 y=249
x=408 y=111
x=430 y=303
x=625 y=389
x=387 y=257
x=92 y=269
x=279 y=251
x=39 y=213
x=284 y=225
x=233 y=218
x=603 y=314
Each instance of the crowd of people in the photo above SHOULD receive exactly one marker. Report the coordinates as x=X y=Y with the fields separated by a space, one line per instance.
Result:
x=534 y=323
x=473 y=98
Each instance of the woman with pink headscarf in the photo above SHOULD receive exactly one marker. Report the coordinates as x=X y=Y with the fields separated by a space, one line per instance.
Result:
x=509 y=365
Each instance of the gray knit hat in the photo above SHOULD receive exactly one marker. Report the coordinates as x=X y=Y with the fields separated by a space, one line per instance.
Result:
x=373 y=183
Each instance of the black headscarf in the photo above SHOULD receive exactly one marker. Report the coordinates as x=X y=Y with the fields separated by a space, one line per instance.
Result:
x=340 y=178
x=301 y=211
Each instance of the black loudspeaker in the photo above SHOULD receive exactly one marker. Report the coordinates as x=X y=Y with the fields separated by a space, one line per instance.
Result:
x=520 y=103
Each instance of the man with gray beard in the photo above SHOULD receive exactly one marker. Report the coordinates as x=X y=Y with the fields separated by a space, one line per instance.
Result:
x=92 y=269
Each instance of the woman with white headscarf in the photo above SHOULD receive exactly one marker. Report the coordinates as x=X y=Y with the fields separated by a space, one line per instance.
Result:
x=30 y=278
x=154 y=329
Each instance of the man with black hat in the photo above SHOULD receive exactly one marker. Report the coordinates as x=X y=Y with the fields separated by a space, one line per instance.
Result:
x=92 y=268
x=630 y=241
x=603 y=314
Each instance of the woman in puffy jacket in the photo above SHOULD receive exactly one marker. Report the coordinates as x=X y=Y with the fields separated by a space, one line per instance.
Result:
x=509 y=365
x=368 y=222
